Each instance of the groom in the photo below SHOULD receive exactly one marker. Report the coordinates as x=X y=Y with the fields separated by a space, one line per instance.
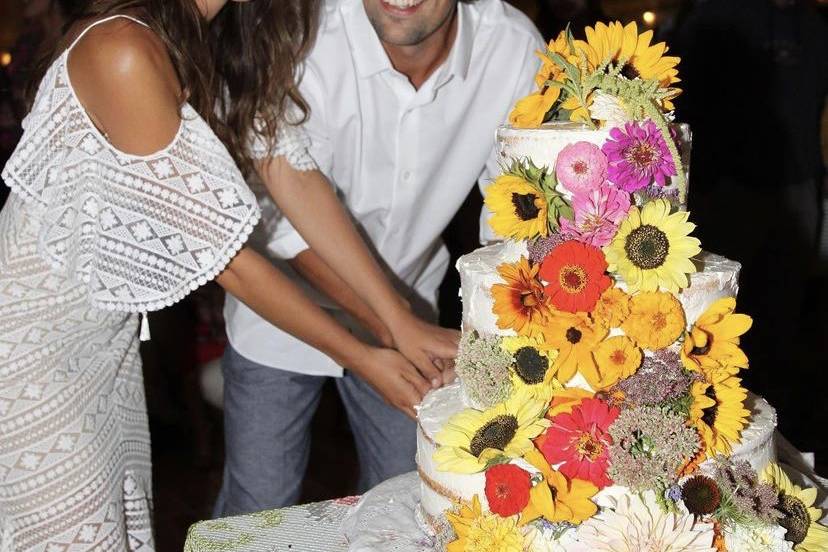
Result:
x=405 y=97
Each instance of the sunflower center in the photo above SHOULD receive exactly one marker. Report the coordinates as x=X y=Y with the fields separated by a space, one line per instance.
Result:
x=704 y=349
x=630 y=71
x=580 y=167
x=573 y=335
x=618 y=357
x=573 y=279
x=589 y=447
x=496 y=434
x=530 y=365
x=701 y=495
x=795 y=518
x=709 y=413
x=647 y=247
x=525 y=206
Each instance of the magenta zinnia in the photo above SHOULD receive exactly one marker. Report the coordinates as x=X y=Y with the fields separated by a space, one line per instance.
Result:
x=580 y=441
x=597 y=215
x=638 y=156
x=581 y=167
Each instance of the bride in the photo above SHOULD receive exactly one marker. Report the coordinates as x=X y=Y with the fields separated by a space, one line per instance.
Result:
x=127 y=194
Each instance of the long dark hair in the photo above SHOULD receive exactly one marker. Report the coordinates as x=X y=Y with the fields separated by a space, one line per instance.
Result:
x=239 y=72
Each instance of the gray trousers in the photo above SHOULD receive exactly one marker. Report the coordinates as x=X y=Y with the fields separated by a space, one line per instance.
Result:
x=267 y=416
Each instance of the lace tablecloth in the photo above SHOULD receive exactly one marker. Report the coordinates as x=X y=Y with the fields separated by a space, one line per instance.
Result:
x=315 y=527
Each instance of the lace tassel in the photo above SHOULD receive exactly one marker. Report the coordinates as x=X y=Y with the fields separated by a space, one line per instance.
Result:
x=145 y=331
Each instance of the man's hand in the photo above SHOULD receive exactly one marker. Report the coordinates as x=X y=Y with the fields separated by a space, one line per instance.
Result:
x=427 y=346
x=396 y=379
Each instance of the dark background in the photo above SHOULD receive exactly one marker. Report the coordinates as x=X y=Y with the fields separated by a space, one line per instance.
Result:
x=755 y=80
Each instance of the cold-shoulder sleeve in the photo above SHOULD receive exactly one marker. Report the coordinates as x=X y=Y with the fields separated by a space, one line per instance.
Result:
x=140 y=231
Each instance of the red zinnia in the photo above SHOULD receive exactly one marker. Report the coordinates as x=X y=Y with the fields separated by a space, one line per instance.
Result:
x=580 y=441
x=575 y=277
x=507 y=489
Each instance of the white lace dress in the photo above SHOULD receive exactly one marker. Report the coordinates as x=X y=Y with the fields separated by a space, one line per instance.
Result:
x=90 y=238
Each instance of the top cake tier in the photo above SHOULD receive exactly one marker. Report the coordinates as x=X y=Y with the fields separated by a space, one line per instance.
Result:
x=543 y=145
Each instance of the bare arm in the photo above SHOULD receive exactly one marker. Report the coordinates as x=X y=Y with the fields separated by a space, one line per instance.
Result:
x=319 y=274
x=309 y=202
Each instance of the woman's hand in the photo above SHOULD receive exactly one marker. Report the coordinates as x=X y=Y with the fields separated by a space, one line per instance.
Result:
x=394 y=378
x=430 y=348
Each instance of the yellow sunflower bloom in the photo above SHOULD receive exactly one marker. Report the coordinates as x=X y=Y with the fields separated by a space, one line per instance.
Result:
x=531 y=110
x=713 y=341
x=578 y=110
x=574 y=336
x=612 y=307
x=799 y=515
x=653 y=248
x=519 y=208
x=471 y=438
x=532 y=369
x=656 y=320
x=718 y=412
x=520 y=303
x=483 y=532
x=557 y=498
x=617 y=358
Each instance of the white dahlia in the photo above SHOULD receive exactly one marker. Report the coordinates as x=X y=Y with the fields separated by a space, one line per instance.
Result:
x=638 y=523
x=546 y=537
x=756 y=538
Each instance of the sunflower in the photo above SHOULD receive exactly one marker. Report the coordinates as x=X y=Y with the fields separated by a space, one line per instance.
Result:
x=483 y=532
x=799 y=516
x=612 y=308
x=617 y=358
x=653 y=248
x=656 y=320
x=471 y=438
x=574 y=336
x=519 y=208
x=520 y=303
x=713 y=341
x=575 y=276
x=618 y=44
x=557 y=498
x=718 y=411
x=532 y=370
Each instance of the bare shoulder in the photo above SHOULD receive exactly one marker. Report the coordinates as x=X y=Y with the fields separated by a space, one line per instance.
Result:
x=123 y=76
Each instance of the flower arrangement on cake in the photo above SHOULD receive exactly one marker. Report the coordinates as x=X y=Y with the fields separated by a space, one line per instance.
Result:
x=603 y=414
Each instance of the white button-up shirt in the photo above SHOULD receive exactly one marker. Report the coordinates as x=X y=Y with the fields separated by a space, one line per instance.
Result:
x=402 y=159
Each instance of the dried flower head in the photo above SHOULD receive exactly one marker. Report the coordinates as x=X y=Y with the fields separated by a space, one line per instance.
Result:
x=539 y=248
x=744 y=496
x=483 y=368
x=661 y=378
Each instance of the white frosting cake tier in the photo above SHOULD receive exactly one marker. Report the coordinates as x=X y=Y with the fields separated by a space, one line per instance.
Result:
x=717 y=277
x=441 y=489
x=542 y=145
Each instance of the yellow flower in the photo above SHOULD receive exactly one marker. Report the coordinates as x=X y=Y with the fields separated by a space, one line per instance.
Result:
x=612 y=308
x=471 y=438
x=557 y=498
x=656 y=320
x=532 y=369
x=483 y=532
x=718 y=412
x=513 y=343
x=519 y=208
x=574 y=336
x=520 y=303
x=617 y=358
x=799 y=516
x=578 y=110
x=713 y=341
x=653 y=248
x=617 y=43
x=530 y=111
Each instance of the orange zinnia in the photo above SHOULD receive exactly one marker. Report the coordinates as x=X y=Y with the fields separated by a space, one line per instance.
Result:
x=575 y=276
x=520 y=304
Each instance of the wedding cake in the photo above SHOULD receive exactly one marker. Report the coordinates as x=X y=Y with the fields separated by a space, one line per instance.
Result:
x=599 y=404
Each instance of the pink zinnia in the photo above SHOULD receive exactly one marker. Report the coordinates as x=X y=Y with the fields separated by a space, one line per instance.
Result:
x=580 y=167
x=638 y=157
x=580 y=441
x=597 y=215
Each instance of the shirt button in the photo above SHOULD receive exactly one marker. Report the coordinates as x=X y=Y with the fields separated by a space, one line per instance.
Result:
x=406 y=176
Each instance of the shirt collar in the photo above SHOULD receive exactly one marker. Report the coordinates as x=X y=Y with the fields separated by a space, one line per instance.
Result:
x=370 y=57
